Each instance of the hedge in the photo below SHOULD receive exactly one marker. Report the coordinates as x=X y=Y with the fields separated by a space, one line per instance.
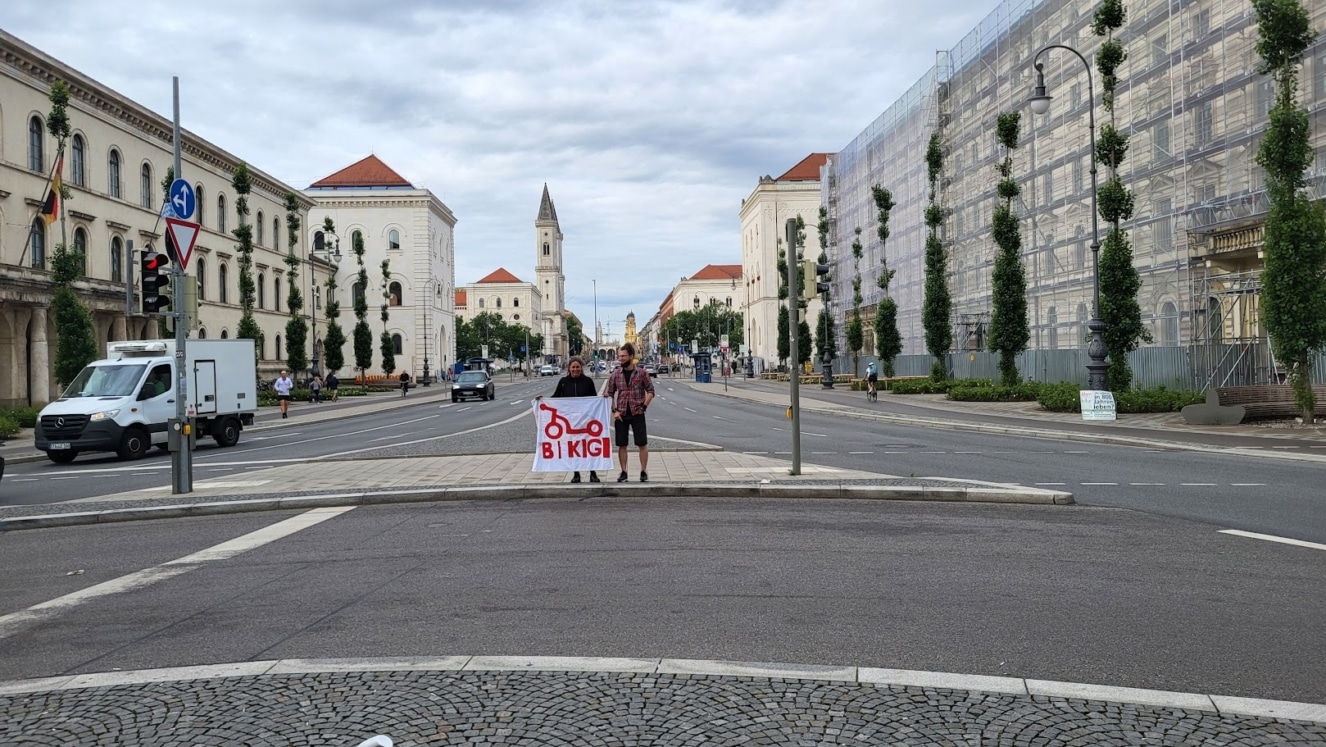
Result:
x=269 y=398
x=1065 y=398
x=1025 y=392
x=25 y=416
x=9 y=427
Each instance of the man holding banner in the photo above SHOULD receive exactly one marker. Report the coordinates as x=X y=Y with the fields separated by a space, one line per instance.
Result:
x=572 y=433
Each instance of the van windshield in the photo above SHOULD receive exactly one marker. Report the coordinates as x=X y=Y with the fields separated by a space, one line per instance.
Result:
x=105 y=381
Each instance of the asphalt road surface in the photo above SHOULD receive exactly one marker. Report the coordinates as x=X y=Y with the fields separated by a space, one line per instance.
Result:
x=1228 y=490
x=1070 y=593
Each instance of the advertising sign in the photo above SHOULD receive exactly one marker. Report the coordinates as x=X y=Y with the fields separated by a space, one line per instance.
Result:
x=1097 y=405
x=572 y=434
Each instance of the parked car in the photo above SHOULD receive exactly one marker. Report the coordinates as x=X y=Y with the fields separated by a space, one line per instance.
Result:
x=473 y=384
x=652 y=370
x=664 y=369
x=547 y=370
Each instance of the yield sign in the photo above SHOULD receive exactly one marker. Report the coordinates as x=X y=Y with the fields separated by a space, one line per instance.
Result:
x=183 y=234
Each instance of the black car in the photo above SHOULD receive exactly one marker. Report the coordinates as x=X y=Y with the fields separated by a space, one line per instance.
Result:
x=473 y=384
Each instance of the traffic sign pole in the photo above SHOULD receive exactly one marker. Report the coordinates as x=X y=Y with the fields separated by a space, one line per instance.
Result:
x=181 y=460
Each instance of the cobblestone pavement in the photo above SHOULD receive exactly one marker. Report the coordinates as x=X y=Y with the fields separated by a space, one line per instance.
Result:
x=576 y=708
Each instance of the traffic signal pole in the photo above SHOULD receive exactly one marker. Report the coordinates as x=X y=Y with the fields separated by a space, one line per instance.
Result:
x=181 y=460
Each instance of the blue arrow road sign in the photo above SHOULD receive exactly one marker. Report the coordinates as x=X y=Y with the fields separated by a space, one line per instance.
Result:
x=182 y=200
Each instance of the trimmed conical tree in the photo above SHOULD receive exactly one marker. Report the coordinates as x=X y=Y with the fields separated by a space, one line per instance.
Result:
x=888 y=340
x=1009 y=331
x=938 y=306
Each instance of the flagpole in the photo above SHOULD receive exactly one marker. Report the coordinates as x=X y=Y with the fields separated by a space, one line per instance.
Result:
x=23 y=256
x=64 y=228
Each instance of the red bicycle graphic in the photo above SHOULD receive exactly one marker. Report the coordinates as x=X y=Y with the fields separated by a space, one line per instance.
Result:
x=558 y=425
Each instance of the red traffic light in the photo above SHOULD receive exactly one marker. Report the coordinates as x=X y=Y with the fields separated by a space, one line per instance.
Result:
x=154 y=261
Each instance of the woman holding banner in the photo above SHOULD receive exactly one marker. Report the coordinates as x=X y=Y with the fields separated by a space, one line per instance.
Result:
x=577 y=384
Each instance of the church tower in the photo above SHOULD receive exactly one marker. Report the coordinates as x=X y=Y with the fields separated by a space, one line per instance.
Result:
x=549 y=278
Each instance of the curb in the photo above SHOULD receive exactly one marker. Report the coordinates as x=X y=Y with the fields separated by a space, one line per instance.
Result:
x=815 y=491
x=1221 y=704
x=1030 y=432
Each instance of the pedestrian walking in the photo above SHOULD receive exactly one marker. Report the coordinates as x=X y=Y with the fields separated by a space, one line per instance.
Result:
x=283 y=385
x=333 y=384
x=315 y=388
x=631 y=390
x=576 y=384
x=405 y=383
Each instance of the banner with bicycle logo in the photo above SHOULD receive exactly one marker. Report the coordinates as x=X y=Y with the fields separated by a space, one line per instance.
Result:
x=573 y=434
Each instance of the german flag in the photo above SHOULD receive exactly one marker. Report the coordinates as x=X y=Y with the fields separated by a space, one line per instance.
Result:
x=50 y=209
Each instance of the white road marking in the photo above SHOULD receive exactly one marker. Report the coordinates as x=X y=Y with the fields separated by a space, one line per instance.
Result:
x=1148 y=484
x=21 y=479
x=64 y=478
x=822 y=452
x=221 y=469
x=818 y=435
x=1273 y=538
x=141 y=474
x=449 y=404
x=463 y=409
x=1247 y=485
x=519 y=402
x=966 y=452
x=1197 y=484
x=689 y=410
x=860 y=452
x=1049 y=483
x=512 y=419
x=784 y=430
x=1077 y=452
x=1284 y=447
x=719 y=417
x=9 y=624
x=394 y=435
x=338 y=435
x=744 y=452
x=1098 y=484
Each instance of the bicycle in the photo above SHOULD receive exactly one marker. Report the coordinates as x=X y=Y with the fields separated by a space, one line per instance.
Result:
x=872 y=392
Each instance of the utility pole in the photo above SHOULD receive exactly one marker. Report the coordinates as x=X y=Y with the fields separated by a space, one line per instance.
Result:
x=182 y=458
x=793 y=302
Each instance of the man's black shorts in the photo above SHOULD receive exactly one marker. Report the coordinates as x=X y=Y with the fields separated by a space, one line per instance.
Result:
x=636 y=424
x=285 y=397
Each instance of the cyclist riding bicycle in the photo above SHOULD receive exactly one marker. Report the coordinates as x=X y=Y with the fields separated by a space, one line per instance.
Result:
x=872 y=380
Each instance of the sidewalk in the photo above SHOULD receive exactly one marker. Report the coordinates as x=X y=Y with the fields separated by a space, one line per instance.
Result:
x=545 y=700
x=19 y=449
x=1165 y=430
x=314 y=483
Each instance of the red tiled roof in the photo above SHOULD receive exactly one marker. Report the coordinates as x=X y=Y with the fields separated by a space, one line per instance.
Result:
x=500 y=275
x=368 y=172
x=808 y=170
x=461 y=298
x=718 y=272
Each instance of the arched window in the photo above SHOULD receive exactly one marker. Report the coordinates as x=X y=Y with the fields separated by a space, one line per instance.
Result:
x=113 y=181
x=277 y=353
x=145 y=185
x=37 y=243
x=497 y=303
x=547 y=250
x=394 y=294
x=393 y=239
x=729 y=302
x=259 y=227
x=262 y=290
x=198 y=203
x=515 y=303
x=397 y=345
x=696 y=302
x=481 y=303
x=355 y=238
x=80 y=246
x=117 y=260
x=276 y=297
x=221 y=294
x=36 y=145
x=357 y=293
x=1052 y=321
x=221 y=213
x=202 y=333
x=202 y=279
x=78 y=172
x=1169 y=324
x=225 y=335
x=276 y=234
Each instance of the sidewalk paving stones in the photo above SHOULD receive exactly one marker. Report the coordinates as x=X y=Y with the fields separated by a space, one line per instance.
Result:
x=549 y=701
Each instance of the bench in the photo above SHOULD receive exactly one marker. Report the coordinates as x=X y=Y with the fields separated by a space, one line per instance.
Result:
x=1276 y=401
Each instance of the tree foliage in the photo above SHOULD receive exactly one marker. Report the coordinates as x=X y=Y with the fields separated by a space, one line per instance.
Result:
x=707 y=325
x=856 y=335
x=75 y=342
x=248 y=327
x=488 y=328
x=386 y=345
x=1009 y=331
x=575 y=335
x=333 y=344
x=1119 y=281
x=938 y=303
x=888 y=340
x=1294 y=275
x=296 y=328
x=827 y=339
x=784 y=332
x=363 y=336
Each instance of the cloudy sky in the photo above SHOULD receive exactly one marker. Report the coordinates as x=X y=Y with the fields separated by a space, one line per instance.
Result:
x=650 y=120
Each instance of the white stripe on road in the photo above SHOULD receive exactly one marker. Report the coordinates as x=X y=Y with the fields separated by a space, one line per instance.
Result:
x=9 y=624
x=1098 y=483
x=1049 y=483
x=689 y=410
x=1247 y=485
x=512 y=419
x=1273 y=538
x=1197 y=484
x=463 y=409
x=860 y=452
x=394 y=435
x=1147 y=484
x=22 y=479
x=519 y=402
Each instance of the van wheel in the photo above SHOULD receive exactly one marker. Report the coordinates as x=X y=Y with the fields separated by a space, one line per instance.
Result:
x=134 y=444
x=62 y=457
x=226 y=432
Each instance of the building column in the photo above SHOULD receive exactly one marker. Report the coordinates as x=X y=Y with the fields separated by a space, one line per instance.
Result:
x=120 y=328
x=40 y=366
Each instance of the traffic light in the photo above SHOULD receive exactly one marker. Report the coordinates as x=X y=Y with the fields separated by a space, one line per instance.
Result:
x=153 y=278
x=815 y=277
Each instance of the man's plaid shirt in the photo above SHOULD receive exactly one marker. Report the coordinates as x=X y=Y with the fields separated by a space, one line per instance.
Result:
x=629 y=398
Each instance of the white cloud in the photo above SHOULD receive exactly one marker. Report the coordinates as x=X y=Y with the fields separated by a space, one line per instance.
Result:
x=649 y=120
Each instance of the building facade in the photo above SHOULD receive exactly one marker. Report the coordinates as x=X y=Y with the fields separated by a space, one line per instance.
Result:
x=414 y=232
x=764 y=215
x=1195 y=108
x=550 y=280
x=113 y=166
x=500 y=292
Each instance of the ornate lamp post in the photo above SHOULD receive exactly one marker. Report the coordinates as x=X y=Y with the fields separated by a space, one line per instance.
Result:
x=428 y=331
x=333 y=256
x=1097 y=350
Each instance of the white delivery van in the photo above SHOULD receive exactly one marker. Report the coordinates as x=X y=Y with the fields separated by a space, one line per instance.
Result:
x=124 y=403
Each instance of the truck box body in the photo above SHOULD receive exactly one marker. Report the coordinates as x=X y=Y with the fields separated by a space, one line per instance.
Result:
x=125 y=402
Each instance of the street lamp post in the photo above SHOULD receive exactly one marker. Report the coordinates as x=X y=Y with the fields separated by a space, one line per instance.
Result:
x=428 y=331
x=1097 y=350
x=333 y=254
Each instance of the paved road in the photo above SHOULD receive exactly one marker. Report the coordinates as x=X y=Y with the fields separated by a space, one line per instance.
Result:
x=1250 y=493
x=261 y=447
x=1062 y=593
